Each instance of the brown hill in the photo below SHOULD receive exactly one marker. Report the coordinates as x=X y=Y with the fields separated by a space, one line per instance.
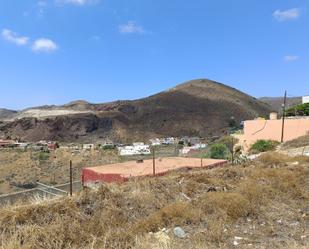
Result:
x=5 y=113
x=198 y=107
x=276 y=102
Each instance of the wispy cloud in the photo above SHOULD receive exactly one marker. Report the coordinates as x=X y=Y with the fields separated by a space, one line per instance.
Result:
x=13 y=37
x=42 y=3
x=39 y=45
x=131 y=27
x=290 y=58
x=287 y=15
x=41 y=6
x=77 y=2
x=44 y=45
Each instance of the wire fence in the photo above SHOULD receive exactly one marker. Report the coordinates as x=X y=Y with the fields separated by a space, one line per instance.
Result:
x=41 y=191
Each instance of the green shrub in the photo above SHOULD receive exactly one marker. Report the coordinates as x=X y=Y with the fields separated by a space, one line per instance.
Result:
x=264 y=145
x=228 y=141
x=302 y=110
x=108 y=147
x=43 y=156
x=219 y=151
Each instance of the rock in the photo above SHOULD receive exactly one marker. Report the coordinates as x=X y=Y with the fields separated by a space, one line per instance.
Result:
x=179 y=232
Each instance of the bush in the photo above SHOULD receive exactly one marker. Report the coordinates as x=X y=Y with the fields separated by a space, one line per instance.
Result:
x=302 y=110
x=264 y=145
x=229 y=141
x=43 y=156
x=108 y=147
x=219 y=151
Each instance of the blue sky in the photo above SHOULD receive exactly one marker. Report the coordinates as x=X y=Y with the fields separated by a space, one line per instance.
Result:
x=55 y=51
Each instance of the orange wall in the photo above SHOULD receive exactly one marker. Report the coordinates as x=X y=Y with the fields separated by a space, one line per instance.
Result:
x=271 y=129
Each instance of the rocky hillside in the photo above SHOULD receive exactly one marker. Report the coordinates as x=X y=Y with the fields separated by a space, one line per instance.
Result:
x=198 y=107
x=7 y=114
x=276 y=102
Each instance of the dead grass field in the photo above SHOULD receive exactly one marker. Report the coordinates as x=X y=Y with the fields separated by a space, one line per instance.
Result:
x=22 y=168
x=298 y=142
x=264 y=204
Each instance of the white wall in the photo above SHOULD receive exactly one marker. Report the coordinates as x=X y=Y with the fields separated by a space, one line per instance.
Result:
x=305 y=99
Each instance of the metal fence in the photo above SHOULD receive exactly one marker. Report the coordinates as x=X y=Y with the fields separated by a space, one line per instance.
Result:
x=42 y=191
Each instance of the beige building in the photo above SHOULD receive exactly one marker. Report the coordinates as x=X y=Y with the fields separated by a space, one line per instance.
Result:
x=271 y=130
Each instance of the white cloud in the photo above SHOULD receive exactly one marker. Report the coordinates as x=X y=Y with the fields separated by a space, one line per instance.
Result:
x=44 y=45
x=77 y=2
x=130 y=28
x=289 y=58
x=11 y=36
x=42 y=3
x=286 y=15
x=41 y=6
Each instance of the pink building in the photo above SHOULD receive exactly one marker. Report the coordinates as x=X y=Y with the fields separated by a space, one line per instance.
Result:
x=271 y=130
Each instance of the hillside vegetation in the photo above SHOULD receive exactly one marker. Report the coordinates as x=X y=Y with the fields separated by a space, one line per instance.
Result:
x=276 y=102
x=263 y=204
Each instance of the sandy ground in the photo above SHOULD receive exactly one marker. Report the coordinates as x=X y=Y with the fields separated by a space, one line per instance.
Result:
x=162 y=165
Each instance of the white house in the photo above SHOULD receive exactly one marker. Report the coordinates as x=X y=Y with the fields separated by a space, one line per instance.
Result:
x=135 y=149
x=199 y=146
x=187 y=149
x=88 y=146
x=155 y=142
x=168 y=140
x=305 y=99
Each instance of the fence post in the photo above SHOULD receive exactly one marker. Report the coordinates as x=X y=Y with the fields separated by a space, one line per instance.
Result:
x=71 y=179
x=153 y=161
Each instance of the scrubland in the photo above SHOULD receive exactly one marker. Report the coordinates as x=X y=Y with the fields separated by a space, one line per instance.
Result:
x=261 y=204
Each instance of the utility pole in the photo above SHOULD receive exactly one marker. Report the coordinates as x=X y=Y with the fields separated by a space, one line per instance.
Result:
x=283 y=117
x=71 y=179
x=153 y=161
x=232 y=150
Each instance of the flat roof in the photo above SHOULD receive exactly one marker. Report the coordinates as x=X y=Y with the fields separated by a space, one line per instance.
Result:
x=132 y=168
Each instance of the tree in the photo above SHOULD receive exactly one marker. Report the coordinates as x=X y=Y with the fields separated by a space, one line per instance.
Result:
x=219 y=151
x=300 y=110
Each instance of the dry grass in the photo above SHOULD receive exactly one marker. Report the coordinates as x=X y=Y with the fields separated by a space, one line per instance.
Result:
x=278 y=159
x=212 y=207
x=298 y=142
x=22 y=167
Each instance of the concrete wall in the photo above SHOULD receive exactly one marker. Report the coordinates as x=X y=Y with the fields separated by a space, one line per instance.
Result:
x=271 y=129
